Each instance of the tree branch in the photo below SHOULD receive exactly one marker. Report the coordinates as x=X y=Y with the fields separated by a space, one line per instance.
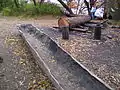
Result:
x=66 y=7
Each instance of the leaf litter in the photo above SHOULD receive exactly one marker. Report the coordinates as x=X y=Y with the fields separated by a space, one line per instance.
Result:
x=38 y=80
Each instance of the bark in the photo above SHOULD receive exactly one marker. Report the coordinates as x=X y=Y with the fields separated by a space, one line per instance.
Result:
x=78 y=6
x=16 y=3
x=92 y=2
x=42 y=1
x=105 y=9
x=34 y=1
x=88 y=8
x=104 y=3
x=73 y=21
x=66 y=7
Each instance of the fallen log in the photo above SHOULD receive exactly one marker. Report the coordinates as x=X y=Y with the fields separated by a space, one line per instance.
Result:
x=73 y=21
x=79 y=29
x=66 y=23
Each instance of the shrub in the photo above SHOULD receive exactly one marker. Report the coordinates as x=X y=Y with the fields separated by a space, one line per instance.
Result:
x=6 y=11
x=47 y=8
x=29 y=10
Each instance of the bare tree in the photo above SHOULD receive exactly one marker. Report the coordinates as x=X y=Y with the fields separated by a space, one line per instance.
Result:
x=66 y=7
x=88 y=8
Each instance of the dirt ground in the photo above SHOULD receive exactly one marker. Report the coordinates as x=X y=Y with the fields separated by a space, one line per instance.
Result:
x=18 y=70
x=100 y=57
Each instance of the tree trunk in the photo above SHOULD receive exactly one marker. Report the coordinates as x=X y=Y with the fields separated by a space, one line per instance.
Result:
x=16 y=3
x=34 y=1
x=66 y=7
x=73 y=21
x=88 y=8
x=42 y=1
x=92 y=2
x=105 y=9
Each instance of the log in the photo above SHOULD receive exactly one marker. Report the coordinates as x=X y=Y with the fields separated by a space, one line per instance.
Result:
x=97 y=33
x=79 y=29
x=73 y=21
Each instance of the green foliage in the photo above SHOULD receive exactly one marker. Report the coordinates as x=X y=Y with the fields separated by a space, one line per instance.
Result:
x=30 y=10
x=6 y=11
x=12 y=11
x=6 y=3
x=49 y=9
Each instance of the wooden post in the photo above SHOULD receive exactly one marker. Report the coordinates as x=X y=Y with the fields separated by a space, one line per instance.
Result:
x=65 y=33
x=97 y=32
x=16 y=3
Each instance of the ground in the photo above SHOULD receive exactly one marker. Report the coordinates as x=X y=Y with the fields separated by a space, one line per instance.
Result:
x=18 y=70
x=100 y=57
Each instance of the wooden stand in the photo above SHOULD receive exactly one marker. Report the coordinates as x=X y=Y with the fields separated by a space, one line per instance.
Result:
x=97 y=33
x=65 y=33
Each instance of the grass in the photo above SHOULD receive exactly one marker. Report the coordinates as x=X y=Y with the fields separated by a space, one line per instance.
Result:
x=29 y=10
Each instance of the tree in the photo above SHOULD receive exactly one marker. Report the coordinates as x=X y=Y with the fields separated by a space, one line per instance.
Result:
x=92 y=2
x=70 y=11
x=66 y=7
x=88 y=8
x=16 y=3
x=6 y=3
x=34 y=1
x=41 y=1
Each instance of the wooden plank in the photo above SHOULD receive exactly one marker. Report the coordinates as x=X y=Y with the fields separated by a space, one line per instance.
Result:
x=79 y=29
